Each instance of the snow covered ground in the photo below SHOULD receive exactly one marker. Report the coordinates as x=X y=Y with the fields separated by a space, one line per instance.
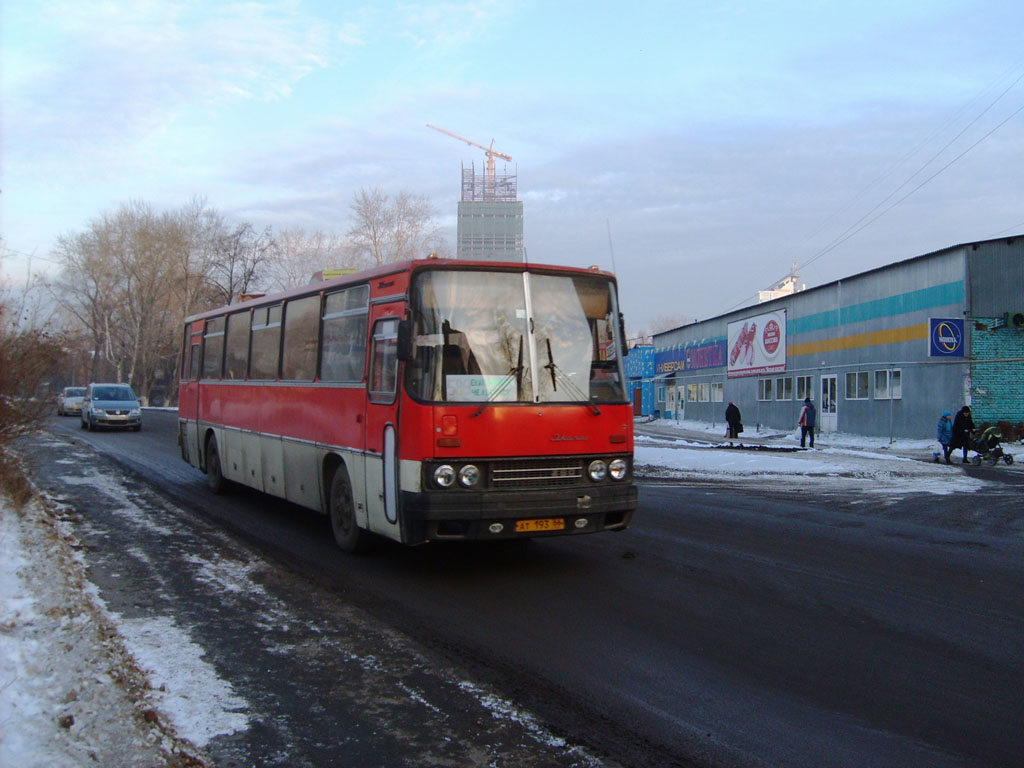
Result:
x=73 y=685
x=72 y=692
x=697 y=450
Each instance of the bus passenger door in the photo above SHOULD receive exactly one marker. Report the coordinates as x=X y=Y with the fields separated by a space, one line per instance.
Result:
x=188 y=395
x=381 y=429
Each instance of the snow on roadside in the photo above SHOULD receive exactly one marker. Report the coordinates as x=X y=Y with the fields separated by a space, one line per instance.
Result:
x=840 y=462
x=70 y=693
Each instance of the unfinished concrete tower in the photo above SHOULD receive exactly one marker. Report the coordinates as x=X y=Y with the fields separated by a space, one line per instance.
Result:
x=490 y=217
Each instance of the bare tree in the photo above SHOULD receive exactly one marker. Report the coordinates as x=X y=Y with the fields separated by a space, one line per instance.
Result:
x=388 y=230
x=241 y=254
x=300 y=255
x=29 y=357
x=85 y=287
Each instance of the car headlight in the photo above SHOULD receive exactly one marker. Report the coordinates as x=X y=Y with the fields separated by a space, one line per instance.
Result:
x=96 y=411
x=136 y=411
x=597 y=470
x=444 y=476
x=469 y=476
x=618 y=468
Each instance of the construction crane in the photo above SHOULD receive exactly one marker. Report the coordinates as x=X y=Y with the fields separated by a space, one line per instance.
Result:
x=491 y=151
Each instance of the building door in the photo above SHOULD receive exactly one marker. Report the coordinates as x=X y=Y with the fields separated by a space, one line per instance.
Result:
x=827 y=416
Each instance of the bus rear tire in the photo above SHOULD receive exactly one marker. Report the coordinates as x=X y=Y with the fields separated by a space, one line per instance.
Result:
x=214 y=477
x=342 y=510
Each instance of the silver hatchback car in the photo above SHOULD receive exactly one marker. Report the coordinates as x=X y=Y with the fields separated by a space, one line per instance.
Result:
x=69 y=401
x=111 y=405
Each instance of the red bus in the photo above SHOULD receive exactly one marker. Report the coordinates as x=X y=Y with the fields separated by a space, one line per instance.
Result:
x=432 y=400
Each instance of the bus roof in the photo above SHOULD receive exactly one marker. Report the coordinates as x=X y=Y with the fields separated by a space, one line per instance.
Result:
x=394 y=268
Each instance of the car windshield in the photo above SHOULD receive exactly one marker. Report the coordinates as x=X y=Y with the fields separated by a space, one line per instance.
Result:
x=112 y=393
x=472 y=339
x=74 y=392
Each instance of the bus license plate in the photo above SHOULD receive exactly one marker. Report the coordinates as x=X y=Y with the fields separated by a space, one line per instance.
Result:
x=541 y=524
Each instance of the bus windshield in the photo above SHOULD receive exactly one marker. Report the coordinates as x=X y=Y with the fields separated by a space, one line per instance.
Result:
x=472 y=340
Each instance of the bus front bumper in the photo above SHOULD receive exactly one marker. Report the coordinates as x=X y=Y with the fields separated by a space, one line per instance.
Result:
x=493 y=515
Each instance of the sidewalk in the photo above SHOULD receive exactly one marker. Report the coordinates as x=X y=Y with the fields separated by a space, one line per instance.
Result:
x=712 y=435
x=767 y=452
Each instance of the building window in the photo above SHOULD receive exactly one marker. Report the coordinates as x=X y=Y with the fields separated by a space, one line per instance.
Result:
x=764 y=389
x=717 y=392
x=704 y=392
x=691 y=393
x=857 y=385
x=661 y=393
x=888 y=385
x=784 y=389
x=804 y=388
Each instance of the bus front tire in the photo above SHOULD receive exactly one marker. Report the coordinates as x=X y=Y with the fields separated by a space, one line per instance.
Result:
x=342 y=511
x=214 y=477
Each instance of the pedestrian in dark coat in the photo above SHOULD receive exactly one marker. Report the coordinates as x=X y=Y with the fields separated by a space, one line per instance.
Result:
x=732 y=418
x=963 y=426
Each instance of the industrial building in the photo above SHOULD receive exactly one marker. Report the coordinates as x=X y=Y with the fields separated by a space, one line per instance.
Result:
x=881 y=353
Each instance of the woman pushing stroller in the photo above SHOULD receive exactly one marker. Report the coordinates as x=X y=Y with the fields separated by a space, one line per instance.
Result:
x=963 y=427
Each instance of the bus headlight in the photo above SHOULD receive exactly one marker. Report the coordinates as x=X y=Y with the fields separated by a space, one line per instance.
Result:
x=597 y=470
x=617 y=469
x=469 y=476
x=444 y=476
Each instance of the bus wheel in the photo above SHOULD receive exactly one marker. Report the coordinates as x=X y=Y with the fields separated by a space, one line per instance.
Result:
x=343 y=513
x=214 y=477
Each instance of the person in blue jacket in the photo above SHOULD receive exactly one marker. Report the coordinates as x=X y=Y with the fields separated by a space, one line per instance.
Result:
x=944 y=434
x=806 y=422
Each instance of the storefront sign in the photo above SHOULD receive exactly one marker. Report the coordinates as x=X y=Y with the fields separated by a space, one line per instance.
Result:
x=945 y=337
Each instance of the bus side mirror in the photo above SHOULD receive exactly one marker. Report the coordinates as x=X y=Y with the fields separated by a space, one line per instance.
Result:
x=404 y=340
x=622 y=335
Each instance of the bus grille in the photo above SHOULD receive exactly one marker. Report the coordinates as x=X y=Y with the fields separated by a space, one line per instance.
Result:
x=537 y=473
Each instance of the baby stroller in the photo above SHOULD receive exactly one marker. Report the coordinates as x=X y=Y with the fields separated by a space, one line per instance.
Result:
x=987 y=448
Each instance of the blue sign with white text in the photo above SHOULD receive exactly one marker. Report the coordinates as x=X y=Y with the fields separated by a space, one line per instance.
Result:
x=945 y=337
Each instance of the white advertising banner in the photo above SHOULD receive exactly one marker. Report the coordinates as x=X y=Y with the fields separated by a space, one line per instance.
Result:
x=757 y=345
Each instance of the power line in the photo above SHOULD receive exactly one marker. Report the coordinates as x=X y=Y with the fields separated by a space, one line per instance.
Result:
x=864 y=221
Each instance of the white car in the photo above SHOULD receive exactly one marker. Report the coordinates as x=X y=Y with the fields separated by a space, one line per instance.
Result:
x=69 y=401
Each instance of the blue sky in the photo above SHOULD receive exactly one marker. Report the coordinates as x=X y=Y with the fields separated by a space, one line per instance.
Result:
x=715 y=142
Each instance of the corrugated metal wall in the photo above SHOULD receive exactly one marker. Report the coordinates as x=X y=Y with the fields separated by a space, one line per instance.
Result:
x=872 y=322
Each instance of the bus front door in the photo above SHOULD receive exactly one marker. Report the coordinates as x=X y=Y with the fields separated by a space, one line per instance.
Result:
x=381 y=465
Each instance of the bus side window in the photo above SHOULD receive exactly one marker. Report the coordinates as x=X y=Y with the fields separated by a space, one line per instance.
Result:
x=266 y=342
x=193 y=372
x=301 y=326
x=343 y=353
x=236 y=348
x=213 y=348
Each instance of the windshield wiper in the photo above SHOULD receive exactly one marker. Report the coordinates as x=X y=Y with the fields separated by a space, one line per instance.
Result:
x=574 y=388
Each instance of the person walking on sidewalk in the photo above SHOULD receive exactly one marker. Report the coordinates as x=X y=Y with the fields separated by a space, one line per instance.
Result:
x=963 y=426
x=807 y=420
x=944 y=434
x=733 y=419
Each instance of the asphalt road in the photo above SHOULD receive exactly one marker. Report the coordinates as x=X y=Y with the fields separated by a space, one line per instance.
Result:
x=724 y=628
